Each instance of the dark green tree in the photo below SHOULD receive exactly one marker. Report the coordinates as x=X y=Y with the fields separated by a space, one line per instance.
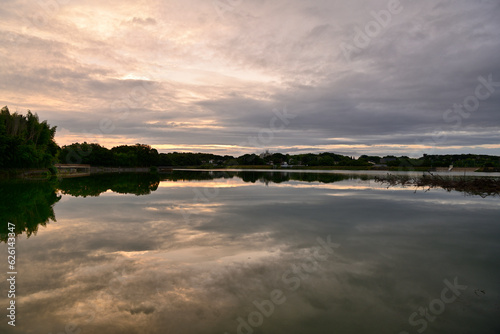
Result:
x=25 y=142
x=26 y=204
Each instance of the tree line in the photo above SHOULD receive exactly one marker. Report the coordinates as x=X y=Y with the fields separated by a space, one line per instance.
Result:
x=25 y=142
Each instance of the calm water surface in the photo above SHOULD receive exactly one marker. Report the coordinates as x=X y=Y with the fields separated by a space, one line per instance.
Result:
x=249 y=252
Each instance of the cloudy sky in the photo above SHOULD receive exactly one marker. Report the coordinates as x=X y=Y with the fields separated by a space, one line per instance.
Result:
x=240 y=76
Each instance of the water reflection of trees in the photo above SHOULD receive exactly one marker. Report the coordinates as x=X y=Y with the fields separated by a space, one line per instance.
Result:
x=27 y=204
x=279 y=177
x=473 y=186
x=257 y=176
x=187 y=175
x=127 y=183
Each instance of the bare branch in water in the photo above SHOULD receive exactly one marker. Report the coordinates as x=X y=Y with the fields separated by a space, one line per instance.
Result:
x=470 y=185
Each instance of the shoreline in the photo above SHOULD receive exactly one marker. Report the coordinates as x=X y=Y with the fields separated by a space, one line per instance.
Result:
x=46 y=173
x=344 y=171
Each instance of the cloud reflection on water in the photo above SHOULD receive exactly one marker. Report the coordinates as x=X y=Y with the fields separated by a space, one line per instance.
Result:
x=113 y=265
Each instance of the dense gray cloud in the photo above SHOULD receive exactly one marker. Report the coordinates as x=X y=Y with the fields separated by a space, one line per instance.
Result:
x=195 y=75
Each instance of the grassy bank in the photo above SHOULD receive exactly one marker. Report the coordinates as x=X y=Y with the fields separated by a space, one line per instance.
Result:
x=26 y=173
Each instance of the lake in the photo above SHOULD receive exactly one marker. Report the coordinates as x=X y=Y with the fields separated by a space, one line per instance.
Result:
x=249 y=252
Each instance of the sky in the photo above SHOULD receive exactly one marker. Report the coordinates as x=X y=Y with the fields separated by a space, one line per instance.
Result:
x=238 y=76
